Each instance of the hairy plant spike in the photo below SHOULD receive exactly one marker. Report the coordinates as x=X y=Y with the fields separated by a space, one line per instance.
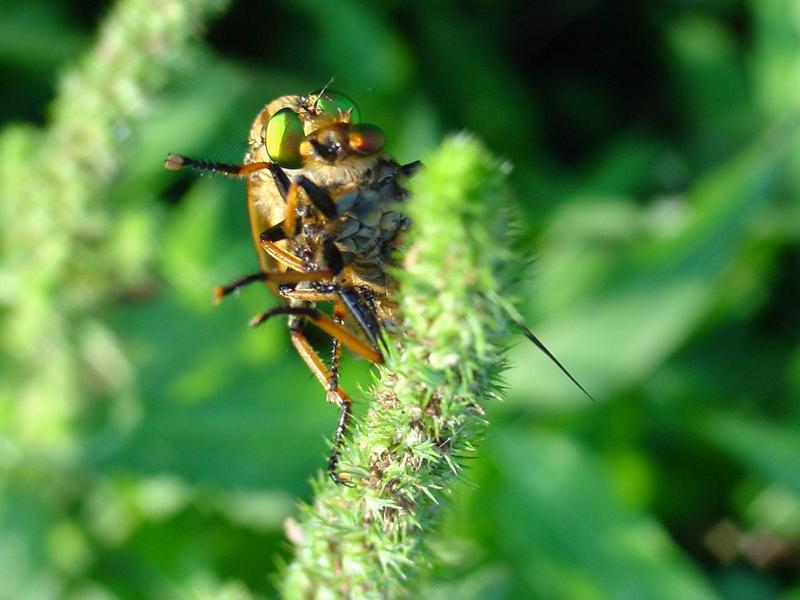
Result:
x=426 y=412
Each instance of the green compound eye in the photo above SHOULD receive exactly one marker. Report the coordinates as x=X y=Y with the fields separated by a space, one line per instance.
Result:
x=283 y=137
x=335 y=103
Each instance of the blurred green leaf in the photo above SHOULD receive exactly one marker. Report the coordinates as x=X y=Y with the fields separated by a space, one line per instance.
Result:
x=566 y=534
x=660 y=288
x=769 y=450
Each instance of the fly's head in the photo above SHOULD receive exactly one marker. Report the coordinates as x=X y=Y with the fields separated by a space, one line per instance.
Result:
x=319 y=130
x=338 y=143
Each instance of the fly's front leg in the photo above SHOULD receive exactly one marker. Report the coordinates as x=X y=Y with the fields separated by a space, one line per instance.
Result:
x=297 y=273
x=174 y=162
x=267 y=239
x=319 y=197
x=287 y=259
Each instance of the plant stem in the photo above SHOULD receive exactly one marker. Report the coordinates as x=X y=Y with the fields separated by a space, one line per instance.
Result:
x=427 y=409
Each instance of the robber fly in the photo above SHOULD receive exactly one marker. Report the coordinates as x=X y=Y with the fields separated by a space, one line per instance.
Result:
x=322 y=199
x=323 y=202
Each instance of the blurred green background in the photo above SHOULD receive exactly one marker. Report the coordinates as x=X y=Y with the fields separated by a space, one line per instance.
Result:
x=151 y=445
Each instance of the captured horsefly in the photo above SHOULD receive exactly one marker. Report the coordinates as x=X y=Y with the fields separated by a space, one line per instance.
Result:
x=324 y=205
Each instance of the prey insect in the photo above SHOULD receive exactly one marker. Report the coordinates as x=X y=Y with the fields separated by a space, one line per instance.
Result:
x=324 y=207
x=322 y=200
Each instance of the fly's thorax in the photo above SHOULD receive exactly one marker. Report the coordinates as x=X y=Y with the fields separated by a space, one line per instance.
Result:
x=336 y=180
x=341 y=178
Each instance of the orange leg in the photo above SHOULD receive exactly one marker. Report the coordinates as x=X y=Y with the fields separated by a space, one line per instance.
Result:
x=175 y=162
x=335 y=394
x=339 y=313
x=328 y=379
x=318 y=368
x=277 y=277
x=328 y=325
x=343 y=302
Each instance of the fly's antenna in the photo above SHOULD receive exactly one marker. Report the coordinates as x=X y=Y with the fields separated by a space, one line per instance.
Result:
x=322 y=92
x=540 y=345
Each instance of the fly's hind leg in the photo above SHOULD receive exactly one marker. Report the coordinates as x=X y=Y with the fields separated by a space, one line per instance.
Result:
x=342 y=425
x=328 y=378
x=345 y=407
x=324 y=322
x=335 y=394
x=329 y=293
x=336 y=347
